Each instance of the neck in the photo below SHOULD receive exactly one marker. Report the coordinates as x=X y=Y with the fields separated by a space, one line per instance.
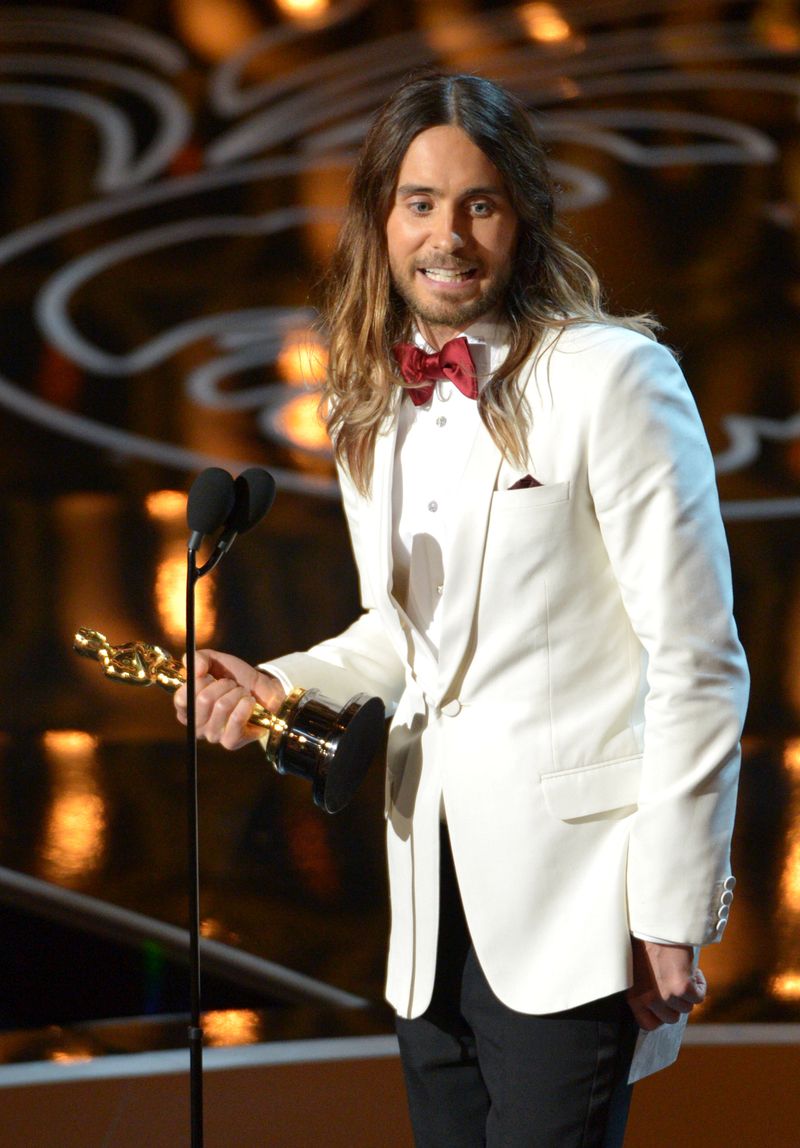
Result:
x=436 y=336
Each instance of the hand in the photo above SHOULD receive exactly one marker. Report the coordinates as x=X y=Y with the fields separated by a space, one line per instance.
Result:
x=227 y=689
x=665 y=983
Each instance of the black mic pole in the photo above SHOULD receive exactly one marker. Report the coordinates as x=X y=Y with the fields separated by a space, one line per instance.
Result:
x=211 y=501
x=195 y=1026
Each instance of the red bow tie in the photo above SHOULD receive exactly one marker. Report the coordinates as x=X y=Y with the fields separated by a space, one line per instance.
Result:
x=453 y=362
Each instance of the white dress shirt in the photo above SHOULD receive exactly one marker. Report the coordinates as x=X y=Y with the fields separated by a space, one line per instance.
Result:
x=433 y=445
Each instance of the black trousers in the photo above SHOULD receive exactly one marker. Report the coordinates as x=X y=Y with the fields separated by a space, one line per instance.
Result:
x=481 y=1075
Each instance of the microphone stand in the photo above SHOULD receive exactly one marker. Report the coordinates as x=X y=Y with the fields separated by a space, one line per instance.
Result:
x=193 y=573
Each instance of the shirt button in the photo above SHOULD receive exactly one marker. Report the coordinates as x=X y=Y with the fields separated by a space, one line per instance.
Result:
x=433 y=507
x=441 y=421
x=440 y=589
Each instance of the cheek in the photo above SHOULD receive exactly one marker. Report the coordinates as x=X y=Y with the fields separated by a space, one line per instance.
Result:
x=401 y=240
x=506 y=245
x=498 y=245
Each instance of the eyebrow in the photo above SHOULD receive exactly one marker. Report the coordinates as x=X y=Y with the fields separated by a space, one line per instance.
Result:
x=418 y=189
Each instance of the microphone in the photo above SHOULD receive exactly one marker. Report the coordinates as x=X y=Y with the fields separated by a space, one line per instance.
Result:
x=211 y=502
x=254 y=494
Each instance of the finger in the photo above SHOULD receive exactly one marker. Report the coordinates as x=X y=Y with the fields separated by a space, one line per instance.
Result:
x=680 y=1005
x=236 y=733
x=213 y=707
x=207 y=690
x=692 y=993
x=644 y=1018
x=700 y=985
x=665 y=1011
x=180 y=698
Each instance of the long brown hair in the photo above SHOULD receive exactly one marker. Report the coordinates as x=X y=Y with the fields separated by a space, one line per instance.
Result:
x=551 y=285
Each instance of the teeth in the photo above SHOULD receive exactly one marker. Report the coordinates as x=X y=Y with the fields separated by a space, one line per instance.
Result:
x=439 y=275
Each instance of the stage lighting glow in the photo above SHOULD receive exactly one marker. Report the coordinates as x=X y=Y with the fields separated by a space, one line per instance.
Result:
x=777 y=26
x=167 y=506
x=225 y=1027
x=216 y=29
x=791 y=756
x=786 y=986
x=299 y=423
x=170 y=597
x=303 y=360
x=75 y=829
x=544 y=22
x=303 y=9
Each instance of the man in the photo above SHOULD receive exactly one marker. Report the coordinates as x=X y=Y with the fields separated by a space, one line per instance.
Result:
x=547 y=611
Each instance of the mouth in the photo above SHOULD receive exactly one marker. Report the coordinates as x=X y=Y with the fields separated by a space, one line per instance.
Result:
x=448 y=275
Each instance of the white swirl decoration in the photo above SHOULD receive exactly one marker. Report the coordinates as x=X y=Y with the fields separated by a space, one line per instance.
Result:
x=591 y=72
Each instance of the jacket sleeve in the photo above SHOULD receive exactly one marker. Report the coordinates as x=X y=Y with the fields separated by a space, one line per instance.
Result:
x=652 y=481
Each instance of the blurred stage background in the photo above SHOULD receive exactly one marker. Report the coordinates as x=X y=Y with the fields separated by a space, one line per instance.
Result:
x=172 y=173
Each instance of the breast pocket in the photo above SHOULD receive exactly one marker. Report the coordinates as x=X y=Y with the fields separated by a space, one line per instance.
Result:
x=529 y=520
x=529 y=498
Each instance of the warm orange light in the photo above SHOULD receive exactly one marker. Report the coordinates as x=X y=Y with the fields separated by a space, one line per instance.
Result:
x=791 y=755
x=214 y=929
x=790 y=878
x=544 y=22
x=786 y=986
x=231 y=1026
x=61 y=1056
x=68 y=742
x=215 y=29
x=166 y=506
x=299 y=422
x=779 y=28
x=170 y=597
x=75 y=829
x=303 y=9
x=303 y=359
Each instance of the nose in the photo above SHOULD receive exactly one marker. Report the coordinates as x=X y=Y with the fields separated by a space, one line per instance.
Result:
x=447 y=234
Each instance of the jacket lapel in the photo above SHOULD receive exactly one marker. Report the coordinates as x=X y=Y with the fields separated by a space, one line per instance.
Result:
x=464 y=560
x=378 y=526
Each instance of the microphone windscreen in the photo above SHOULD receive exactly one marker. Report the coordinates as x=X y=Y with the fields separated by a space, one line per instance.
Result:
x=255 y=494
x=211 y=500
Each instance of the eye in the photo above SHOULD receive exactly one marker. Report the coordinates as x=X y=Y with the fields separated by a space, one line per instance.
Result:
x=420 y=206
x=481 y=208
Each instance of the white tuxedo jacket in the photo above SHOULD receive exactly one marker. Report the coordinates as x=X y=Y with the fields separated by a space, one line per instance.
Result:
x=581 y=725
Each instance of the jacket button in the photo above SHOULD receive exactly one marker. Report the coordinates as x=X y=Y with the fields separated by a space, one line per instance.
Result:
x=729 y=883
x=452 y=708
x=727 y=897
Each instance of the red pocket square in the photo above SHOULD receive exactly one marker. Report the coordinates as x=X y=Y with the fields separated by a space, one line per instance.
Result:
x=524 y=483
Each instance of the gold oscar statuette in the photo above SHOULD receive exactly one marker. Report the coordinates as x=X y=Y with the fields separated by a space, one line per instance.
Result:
x=310 y=736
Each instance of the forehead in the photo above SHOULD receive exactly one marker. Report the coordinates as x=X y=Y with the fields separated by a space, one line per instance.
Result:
x=445 y=158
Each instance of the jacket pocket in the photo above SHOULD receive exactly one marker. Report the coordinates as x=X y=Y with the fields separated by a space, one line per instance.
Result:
x=530 y=496
x=592 y=789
